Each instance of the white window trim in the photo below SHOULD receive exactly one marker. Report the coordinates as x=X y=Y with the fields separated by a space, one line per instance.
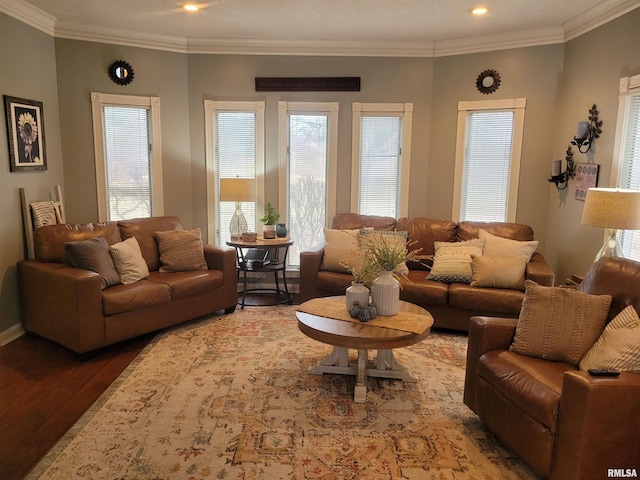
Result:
x=210 y=107
x=404 y=110
x=98 y=101
x=628 y=86
x=284 y=108
x=519 y=106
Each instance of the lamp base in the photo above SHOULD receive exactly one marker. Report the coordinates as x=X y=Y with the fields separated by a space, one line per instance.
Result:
x=611 y=247
x=238 y=224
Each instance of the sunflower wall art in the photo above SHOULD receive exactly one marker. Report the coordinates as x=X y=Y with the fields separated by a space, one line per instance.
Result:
x=25 y=129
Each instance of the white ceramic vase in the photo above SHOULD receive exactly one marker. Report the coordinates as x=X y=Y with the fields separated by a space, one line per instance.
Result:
x=385 y=294
x=357 y=292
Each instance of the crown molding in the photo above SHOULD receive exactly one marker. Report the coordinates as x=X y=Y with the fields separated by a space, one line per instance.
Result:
x=30 y=15
x=600 y=14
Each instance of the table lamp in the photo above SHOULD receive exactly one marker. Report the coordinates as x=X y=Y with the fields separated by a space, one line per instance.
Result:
x=615 y=209
x=237 y=190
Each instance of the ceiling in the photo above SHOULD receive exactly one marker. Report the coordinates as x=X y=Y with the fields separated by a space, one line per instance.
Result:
x=320 y=27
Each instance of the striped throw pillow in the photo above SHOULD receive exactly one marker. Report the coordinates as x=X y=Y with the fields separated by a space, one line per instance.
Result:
x=618 y=348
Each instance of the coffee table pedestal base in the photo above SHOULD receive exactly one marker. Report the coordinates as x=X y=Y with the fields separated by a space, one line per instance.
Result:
x=384 y=366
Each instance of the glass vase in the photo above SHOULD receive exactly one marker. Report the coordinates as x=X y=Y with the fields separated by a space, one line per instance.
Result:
x=281 y=230
x=359 y=293
x=385 y=294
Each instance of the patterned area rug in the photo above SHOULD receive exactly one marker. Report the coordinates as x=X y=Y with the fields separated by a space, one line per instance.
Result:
x=229 y=397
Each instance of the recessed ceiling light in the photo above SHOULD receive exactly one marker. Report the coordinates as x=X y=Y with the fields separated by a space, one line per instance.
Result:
x=479 y=10
x=191 y=8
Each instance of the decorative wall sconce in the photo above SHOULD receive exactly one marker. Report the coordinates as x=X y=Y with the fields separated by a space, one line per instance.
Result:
x=588 y=131
x=560 y=178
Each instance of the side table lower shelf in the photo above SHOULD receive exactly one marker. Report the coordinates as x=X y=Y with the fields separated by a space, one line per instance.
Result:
x=281 y=295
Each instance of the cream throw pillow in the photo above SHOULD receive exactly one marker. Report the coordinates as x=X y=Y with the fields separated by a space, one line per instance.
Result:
x=181 y=251
x=618 y=348
x=498 y=272
x=495 y=246
x=128 y=260
x=559 y=324
x=452 y=260
x=340 y=247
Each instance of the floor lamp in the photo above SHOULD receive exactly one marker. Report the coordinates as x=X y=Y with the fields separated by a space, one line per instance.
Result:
x=237 y=190
x=614 y=209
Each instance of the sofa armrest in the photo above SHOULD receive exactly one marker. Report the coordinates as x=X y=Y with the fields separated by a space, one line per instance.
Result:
x=310 y=263
x=539 y=271
x=220 y=258
x=485 y=334
x=62 y=303
x=598 y=422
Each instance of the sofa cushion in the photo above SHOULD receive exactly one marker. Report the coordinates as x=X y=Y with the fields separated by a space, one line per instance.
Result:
x=334 y=282
x=136 y=296
x=559 y=324
x=128 y=261
x=498 y=272
x=415 y=289
x=144 y=229
x=49 y=240
x=340 y=247
x=452 y=260
x=618 y=348
x=514 y=231
x=181 y=251
x=93 y=254
x=490 y=300
x=531 y=384
x=424 y=232
x=350 y=221
x=495 y=246
x=189 y=283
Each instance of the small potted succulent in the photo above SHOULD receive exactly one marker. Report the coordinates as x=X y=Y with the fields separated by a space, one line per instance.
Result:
x=270 y=217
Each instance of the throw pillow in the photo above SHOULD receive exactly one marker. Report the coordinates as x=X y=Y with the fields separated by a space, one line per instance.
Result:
x=452 y=260
x=559 y=324
x=93 y=254
x=128 y=260
x=495 y=246
x=340 y=246
x=181 y=251
x=618 y=348
x=498 y=272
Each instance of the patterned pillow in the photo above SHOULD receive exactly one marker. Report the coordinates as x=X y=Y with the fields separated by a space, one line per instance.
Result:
x=181 y=251
x=93 y=254
x=618 y=348
x=498 y=272
x=559 y=324
x=452 y=260
x=495 y=246
x=128 y=260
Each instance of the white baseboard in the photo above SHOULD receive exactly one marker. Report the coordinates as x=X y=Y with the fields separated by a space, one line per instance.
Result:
x=10 y=334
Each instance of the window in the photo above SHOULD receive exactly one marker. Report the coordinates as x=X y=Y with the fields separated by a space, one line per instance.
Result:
x=487 y=169
x=381 y=140
x=128 y=156
x=626 y=168
x=234 y=149
x=308 y=151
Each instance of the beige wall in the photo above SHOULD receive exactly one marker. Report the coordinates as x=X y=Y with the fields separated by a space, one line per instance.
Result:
x=28 y=71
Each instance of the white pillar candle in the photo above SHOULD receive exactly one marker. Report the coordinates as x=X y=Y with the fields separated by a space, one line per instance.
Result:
x=556 y=166
x=582 y=129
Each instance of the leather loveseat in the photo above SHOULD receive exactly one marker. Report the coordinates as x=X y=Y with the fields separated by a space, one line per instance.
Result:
x=450 y=304
x=70 y=306
x=565 y=423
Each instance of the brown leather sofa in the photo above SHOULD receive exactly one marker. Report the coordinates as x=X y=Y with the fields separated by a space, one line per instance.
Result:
x=68 y=306
x=563 y=422
x=451 y=305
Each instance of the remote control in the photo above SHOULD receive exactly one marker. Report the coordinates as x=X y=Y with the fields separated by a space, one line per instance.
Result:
x=597 y=372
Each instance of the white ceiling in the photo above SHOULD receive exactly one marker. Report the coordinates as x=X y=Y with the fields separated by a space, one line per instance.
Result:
x=343 y=27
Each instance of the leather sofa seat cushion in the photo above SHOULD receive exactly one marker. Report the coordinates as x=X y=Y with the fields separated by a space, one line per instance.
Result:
x=349 y=221
x=189 y=283
x=496 y=300
x=416 y=289
x=514 y=231
x=135 y=296
x=49 y=240
x=334 y=282
x=531 y=384
x=144 y=230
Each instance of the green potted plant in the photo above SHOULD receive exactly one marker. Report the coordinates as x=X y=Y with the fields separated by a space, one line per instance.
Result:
x=269 y=219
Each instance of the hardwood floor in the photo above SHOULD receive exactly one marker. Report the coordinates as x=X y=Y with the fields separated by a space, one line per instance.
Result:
x=44 y=390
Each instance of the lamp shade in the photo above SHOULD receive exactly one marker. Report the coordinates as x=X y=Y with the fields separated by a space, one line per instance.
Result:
x=237 y=190
x=612 y=208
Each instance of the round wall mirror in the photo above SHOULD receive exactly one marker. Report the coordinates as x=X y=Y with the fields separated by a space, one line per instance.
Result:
x=121 y=72
x=488 y=81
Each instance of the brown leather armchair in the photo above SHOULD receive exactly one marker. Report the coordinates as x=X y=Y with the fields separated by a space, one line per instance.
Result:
x=563 y=422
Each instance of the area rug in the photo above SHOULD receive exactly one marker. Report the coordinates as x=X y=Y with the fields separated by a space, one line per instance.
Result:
x=229 y=397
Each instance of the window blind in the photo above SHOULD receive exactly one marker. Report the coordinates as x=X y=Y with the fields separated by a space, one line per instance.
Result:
x=487 y=159
x=380 y=160
x=629 y=176
x=127 y=162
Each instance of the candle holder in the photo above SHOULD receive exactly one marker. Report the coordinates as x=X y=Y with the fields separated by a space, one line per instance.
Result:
x=588 y=131
x=561 y=180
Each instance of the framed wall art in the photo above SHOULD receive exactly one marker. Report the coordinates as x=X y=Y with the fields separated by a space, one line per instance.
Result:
x=25 y=131
x=586 y=177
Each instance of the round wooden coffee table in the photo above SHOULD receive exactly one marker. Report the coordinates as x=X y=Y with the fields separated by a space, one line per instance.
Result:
x=343 y=335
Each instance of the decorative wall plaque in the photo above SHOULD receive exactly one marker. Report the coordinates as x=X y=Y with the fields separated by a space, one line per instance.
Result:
x=307 y=84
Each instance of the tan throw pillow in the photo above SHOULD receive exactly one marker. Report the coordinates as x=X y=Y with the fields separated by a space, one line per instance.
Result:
x=340 y=246
x=452 y=260
x=618 y=348
x=559 y=324
x=93 y=254
x=498 y=272
x=495 y=246
x=128 y=260
x=181 y=251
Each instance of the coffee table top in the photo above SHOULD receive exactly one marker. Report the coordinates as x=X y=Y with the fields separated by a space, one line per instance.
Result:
x=360 y=335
